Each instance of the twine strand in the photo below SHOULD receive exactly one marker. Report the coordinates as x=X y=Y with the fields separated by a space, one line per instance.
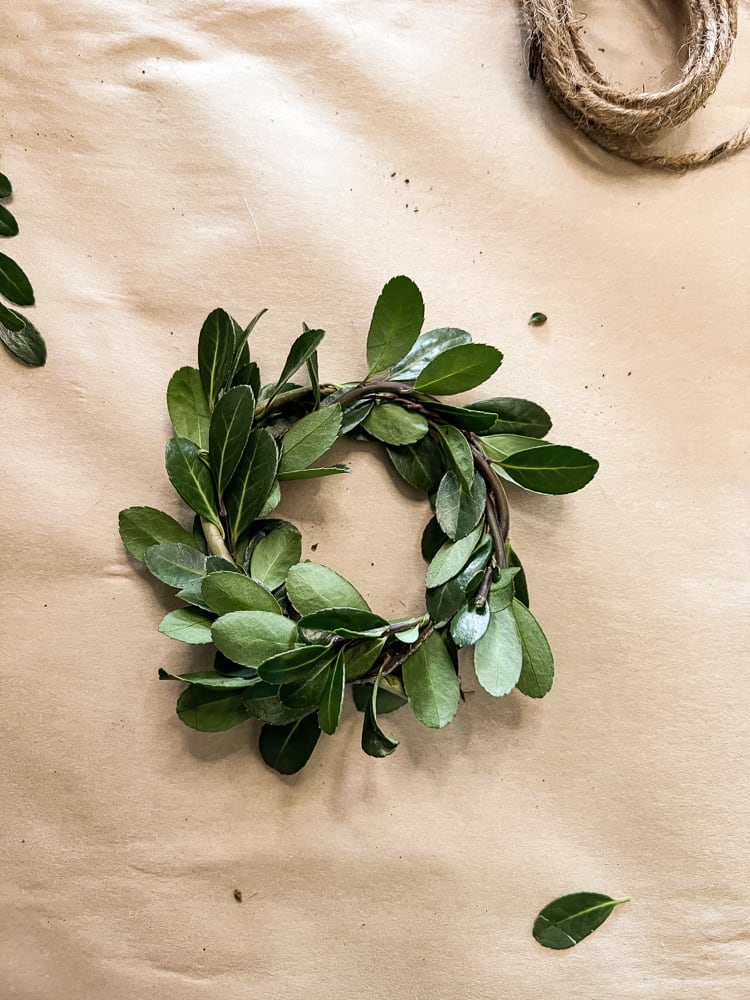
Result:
x=625 y=122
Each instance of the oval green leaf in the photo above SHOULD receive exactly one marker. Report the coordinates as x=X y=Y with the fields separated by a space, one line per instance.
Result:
x=569 y=919
x=6 y=188
x=451 y=558
x=458 y=512
x=310 y=438
x=318 y=473
x=211 y=711
x=359 y=657
x=312 y=587
x=207 y=679
x=396 y=323
x=216 y=347
x=420 y=465
x=288 y=748
x=14 y=284
x=537 y=671
x=392 y=424
x=426 y=348
x=252 y=484
x=293 y=665
x=274 y=555
x=188 y=406
x=175 y=563
x=191 y=478
x=251 y=637
x=431 y=683
x=498 y=654
x=332 y=701
x=554 y=469
x=141 y=527
x=498 y=447
x=228 y=591
x=469 y=624
x=21 y=338
x=459 y=369
x=187 y=625
x=8 y=224
x=229 y=430
x=515 y=416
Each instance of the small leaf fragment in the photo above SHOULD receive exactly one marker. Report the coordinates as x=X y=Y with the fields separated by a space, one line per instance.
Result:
x=537 y=319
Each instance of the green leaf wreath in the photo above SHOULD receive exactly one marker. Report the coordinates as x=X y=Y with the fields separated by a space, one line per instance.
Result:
x=291 y=635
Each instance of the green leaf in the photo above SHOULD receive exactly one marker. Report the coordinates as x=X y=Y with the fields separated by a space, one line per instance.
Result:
x=216 y=347
x=312 y=371
x=22 y=339
x=248 y=374
x=288 y=748
x=420 y=464
x=207 y=679
x=502 y=590
x=188 y=406
x=312 y=587
x=329 y=711
x=191 y=478
x=300 y=352
x=273 y=500
x=537 y=671
x=569 y=919
x=451 y=558
x=251 y=637
x=498 y=654
x=187 y=625
x=392 y=424
x=389 y=699
x=6 y=189
x=274 y=555
x=396 y=322
x=252 y=482
x=431 y=683
x=262 y=702
x=515 y=416
x=459 y=455
x=228 y=591
x=349 y=622
x=375 y=743
x=498 y=447
x=294 y=664
x=175 y=563
x=215 y=564
x=537 y=319
x=426 y=348
x=211 y=711
x=230 y=428
x=459 y=369
x=14 y=284
x=458 y=512
x=354 y=414
x=310 y=438
x=359 y=657
x=433 y=537
x=308 y=692
x=331 y=470
x=444 y=601
x=520 y=587
x=141 y=527
x=460 y=416
x=554 y=469
x=469 y=624
x=8 y=224
x=471 y=575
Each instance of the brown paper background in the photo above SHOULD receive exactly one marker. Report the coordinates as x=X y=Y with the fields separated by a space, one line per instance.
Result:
x=169 y=157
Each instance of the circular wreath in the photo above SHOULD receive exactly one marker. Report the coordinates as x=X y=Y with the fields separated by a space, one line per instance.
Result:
x=290 y=635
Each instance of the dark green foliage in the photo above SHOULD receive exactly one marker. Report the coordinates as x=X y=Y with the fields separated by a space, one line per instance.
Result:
x=18 y=335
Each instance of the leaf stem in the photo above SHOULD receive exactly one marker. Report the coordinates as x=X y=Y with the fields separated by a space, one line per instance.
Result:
x=215 y=540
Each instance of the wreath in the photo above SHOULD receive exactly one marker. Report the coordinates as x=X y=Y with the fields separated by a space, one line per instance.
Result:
x=290 y=635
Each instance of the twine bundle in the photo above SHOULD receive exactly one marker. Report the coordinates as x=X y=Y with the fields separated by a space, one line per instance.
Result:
x=625 y=122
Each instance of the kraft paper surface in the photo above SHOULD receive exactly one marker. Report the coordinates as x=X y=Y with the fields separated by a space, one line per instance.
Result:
x=170 y=157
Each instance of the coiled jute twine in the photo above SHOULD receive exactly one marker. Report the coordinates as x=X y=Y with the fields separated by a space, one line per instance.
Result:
x=622 y=122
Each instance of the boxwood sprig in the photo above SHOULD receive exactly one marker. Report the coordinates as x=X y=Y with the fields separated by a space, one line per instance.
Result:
x=289 y=635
